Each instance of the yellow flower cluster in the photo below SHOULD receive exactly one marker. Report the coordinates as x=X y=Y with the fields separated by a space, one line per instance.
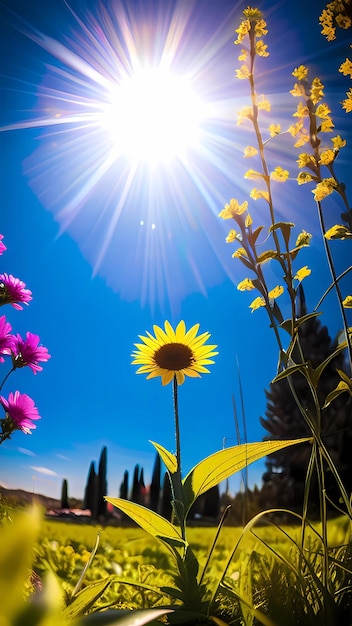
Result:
x=302 y=273
x=334 y=11
x=232 y=209
x=306 y=160
x=327 y=157
x=279 y=174
x=250 y=151
x=256 y=194
x=240 y=252
x=347 y=102
x=304 y=177
x=274 y=129
x=346 y=68
x=246 y=285
x=253 y=175
x=246 y=113
x=303 y=239
x=338 y=232
x=243 y=72
x=324 y=189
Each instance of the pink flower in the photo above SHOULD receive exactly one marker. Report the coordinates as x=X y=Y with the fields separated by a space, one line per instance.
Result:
x=21 y=410
x=28 y=352
x=12 y=291
x=6 y=340
x=2 y=245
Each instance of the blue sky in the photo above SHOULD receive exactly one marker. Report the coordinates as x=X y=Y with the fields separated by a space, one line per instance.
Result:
x=107 y=255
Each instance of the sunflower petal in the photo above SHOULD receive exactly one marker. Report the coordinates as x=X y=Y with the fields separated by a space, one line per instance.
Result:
x=170 y=332
x=167 y=377
x=180 y=332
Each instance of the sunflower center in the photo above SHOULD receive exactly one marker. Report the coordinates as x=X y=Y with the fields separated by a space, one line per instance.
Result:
x=174 y=356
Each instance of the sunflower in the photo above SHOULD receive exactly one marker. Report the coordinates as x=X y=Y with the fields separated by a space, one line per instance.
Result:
x=172 y=353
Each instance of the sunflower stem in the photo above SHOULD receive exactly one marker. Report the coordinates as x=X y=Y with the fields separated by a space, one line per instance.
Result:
x=177 y=426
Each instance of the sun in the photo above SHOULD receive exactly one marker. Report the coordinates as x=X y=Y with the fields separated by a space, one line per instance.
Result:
x=153 y=117
x=134 y=113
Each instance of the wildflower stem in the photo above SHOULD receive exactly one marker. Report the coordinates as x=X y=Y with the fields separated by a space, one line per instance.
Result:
x=6 y=377
x=335 y=282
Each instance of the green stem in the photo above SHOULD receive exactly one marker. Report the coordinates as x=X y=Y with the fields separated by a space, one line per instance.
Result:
x=176 y=477
x=177 y=425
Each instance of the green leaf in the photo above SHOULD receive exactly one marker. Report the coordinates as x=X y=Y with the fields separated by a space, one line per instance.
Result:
x=301 y=367
x=124 y=617
x=342 y=387
x=86 y=598
x=151 y=522
x=266 y=256
x=317 y=372
x=220 y=465
x=287 y=324
x=167 y=457
x=285 y=228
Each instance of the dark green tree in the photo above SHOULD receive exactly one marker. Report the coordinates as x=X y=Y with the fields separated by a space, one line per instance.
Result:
x=124 y=486
x=102 y=488
x=154 y=491
x=136 y=486
x=166 y=497
x=284 y=480
x=90 y=493
x=64 y=495
x=211 y=505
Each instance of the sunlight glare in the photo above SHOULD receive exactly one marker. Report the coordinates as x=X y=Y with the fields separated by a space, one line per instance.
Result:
x=153 y=116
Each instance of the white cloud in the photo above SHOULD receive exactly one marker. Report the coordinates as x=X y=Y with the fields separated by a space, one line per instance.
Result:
x=62 y=456
x=25 y=451
x=44 y=470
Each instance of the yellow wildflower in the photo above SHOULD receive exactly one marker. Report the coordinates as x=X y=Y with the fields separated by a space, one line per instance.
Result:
x=256 y=194
x=346 y=68
x=327 y=125
x=329 y=32
x=242 y=31
x=279 y=174
x=303 y=138
x=304 y=177
x=302 y=110
x=245 y=285
x=243 y=55
x=347 y=103
x=263 y=104
x=338 y=142
x=233 y=208
x=344 y=21
x=276 y=292
x=261 y=48
x=294 y=129
x=252 y=14
x=338 y=232
x=316 y=91
x=238 y=253
x=327 y=157
x=231 y=237
x=274 y=129
x=257 y=303
x=347 y=303
x=300 y=72
x=302 y=273
x=297 y=91
x=322 y=111
x=243 y=114
x=324 y=189
x=253 y=175
x=303 y=239
x=260 y=28
x=243 y=72
x=306 y=160
x=250 y=151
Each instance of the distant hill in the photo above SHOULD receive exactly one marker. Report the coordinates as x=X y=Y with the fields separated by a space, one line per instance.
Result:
x=19 y=498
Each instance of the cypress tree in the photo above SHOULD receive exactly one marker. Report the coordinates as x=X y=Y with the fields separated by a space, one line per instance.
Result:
x=124 y=486
x=136 y=486
x=154 y=491
x=90 y=493
x=64 y=495
x=166 y=497
x=102 y=484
